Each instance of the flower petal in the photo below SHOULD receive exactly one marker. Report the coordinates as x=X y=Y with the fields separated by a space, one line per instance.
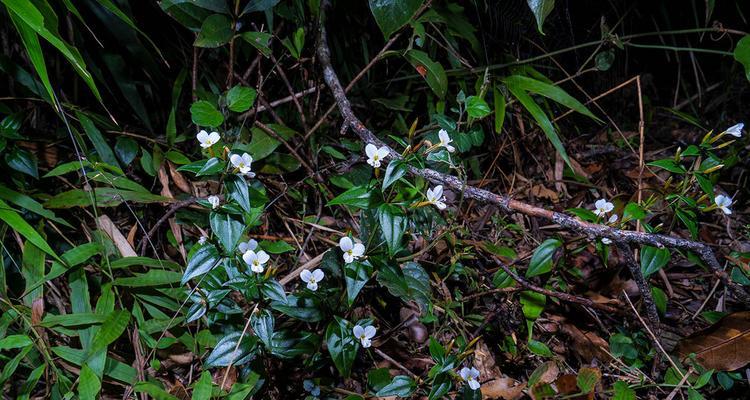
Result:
x=345 y=243
x=263 y=257
x=305 y=275
x=371 y=150
x=249 y=257
x=214 y=137
x=358 y=250
x=318 y=274
x=202 y=136
x=358 y=331
x=370 y=331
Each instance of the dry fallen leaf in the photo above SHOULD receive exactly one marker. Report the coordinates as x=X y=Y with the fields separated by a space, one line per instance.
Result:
x=502 y=388
x=724 y=346
x=588 y=345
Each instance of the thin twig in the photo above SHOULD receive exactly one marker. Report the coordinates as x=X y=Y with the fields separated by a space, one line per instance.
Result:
x=635 y=270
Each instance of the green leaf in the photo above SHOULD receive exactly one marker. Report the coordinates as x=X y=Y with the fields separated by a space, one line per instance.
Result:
x=500 y=105
x=263 y=327
x=277 y=247
x=88 y=384
x=202 y=388
x=431 y=70
x=653 y=259
x=532 y=304
x=204 y=113
x=210 y=167
x=393 y=225
x=22 y=161
x=240 y=98
x=401 y=386
x=112 y=327
x=549 y=91
x=112 y=368
x=154 y=391
x=669 y=164
x=623 y=391
x=391 y=15
x=476 y=107
x=237 y=191
x=101 y=146
x=15 y=342
x=742 y=54
x=357 y=196
x=259 y=40
x=356 y=276
x=541 y=118
x=395 y=170
x=411 y=282
x=542 y=259
x=216 y=31
x=259 y=5
x=18 y=224
x=68 y=320
x=228 y=228
x=660 y=299
x=227 y=351
x=539 y=348
x=105 y=197
x=126 y=150
x=540 y=9
x=342 y=345
x=587 y=379
x=202 y=261
x=34 y=49
x=154 y=277
x=441 y=385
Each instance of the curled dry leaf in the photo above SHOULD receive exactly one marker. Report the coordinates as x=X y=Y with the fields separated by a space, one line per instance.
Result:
x=724 y=346
x=586 y=344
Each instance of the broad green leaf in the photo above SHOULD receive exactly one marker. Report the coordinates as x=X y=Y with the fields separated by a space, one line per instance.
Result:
x=391 y=15
x=154 y=391
x=540 y=9
x=539 y=348
x=23 y=161
x=532 y=304
x=660 y=300
x=127 y=262
x=623 y=391
x=277 y=247
x=358 y=196
x=541 y=118
x=356 y=277
x=34 y=49
x=259 y=40
x=237 y=191
x=227 y=351
x=105 y=197
x=205 y=259
x=401 y=386
x=587 y=379
x=112 y=368
x=542 y=259
x=126 y=150
x=500 y=105
x=154 y=277
x=18 y=224
x=549 y=91
x=112 y=327
x=204 y=113
x=15 y=342
x=210 y=167
x=441 y=385
x=68 y=320
x=240 y=98
x=476 y=107
x=395 y=170
x=430 y=70
x=742 y=54
x=202 y=388
x=393 y=225
x=258 y=5
x=410 y=282
x=653 y=259
x=29 y=204
x=228 y=228
x=32 y=269
x=216 y=31
x=263 y=327
x=670 y=165
x=342 y=345
x=88 y=384
x=101 y=146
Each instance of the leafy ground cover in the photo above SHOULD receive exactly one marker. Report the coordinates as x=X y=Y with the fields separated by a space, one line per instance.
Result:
x=375 y=199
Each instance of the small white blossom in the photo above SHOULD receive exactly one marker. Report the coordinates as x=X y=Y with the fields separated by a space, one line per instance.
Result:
x=375 y=155
x=735 y=130
x=207 y=139
x=214 y=201
x=470 y=375
x=613 y=219
x=312 y=278
x=256 y=261
x=602 y=206
x=352 y=251
x=251 y=244
x=242 y=163
x=445 y=141
x=364 y=334
x=436 y=198
x=311 y=387
x=723 y=202
x=606 y=240
x=202 y=240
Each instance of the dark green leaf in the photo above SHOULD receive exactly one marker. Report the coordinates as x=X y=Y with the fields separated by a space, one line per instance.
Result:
x=391 y=15
x=22 y=161
x=653 y=259
x=228 y=228
x=215 y=31
x=541 y=260
x=205 y=259
x=431 y=70
x=358 y=196
x=227 y=351
x=401 y=386
x=476 y=107
x=204 y=113
x=393 y=225
x=742 y=54
x=541 y=9
x=240 y=98
x=126 y=150
x=395 y=170
x=341 y=345
x=237 y=190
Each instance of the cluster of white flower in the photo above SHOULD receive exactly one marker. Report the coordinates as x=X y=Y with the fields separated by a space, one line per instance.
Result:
x=601 y=208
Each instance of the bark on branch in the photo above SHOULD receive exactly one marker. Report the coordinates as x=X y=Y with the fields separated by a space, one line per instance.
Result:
x=506 y=203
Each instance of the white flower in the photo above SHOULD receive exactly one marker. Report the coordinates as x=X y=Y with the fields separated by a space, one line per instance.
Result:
x=470 y=375
x=256 y=260
x=352 y=251
x=364 y=334
x=445 y=141
x=202 y=240
x=375 y=155
x=242 y=162
x=606 y=240
x=613 y=219
x=735 y=130
x=207 y=139
x=214 y=201
x=251 y=244
x=602 y=206
x=723 y=202
x=312 y=278
x=311 y=387
x=436 y=198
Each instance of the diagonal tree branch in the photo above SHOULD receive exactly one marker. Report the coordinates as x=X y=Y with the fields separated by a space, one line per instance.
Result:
x=506 y=203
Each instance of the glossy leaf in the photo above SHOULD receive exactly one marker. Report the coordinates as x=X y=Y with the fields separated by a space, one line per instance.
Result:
x=391 y=15
x=430 y=70
x=215 y=31
x=205 y=259
x=228 y=228
x=204 y=113
x=542 y=259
